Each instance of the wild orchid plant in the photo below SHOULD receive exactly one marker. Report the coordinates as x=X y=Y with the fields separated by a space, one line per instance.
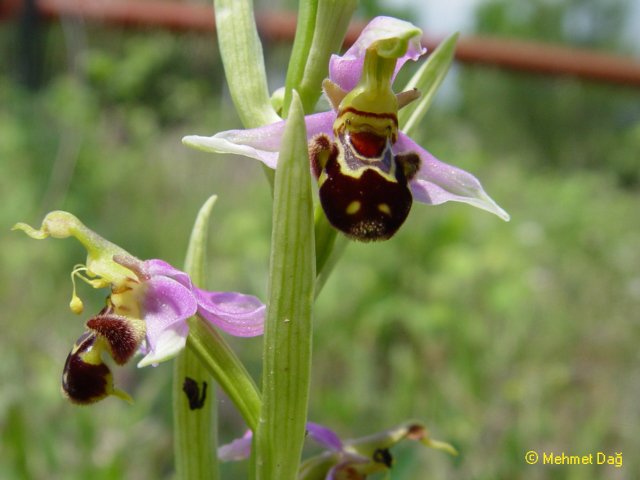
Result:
x=368 y=172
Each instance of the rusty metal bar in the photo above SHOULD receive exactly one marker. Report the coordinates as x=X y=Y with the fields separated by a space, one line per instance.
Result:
x=508 y=54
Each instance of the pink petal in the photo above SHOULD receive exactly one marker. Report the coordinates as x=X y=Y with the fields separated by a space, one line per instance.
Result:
x=166 y=303
x=157 y=267
x=346 y=70
x=169 y=343
x=262 y=143
x=437 y=182
x=324 y=436
x=238 y=449
x=237 y=314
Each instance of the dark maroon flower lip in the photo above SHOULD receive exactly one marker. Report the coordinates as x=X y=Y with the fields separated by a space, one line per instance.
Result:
x=85 y=382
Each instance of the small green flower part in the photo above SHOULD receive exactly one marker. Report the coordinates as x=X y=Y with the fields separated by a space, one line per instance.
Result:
x=101 y=270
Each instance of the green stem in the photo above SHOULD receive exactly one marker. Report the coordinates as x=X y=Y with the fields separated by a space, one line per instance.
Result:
x=329 y=248
x=322 y=25
x=225 y=367
x=195 y=423
x=325 y=239
x=195 y=429
x=287 y=338
x=301 y=46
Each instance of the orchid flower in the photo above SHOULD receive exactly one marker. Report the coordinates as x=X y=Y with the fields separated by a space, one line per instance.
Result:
x=345 y=460
x=368 y=171
x=146 y=310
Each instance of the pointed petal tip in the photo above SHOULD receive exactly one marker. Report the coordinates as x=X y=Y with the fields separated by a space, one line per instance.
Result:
x=237 y=142
x=169 y=345
x=29 y=230
x=440 y=445
x=121 y=394
x=487 y=203
x=504 y=215
x=196 y=141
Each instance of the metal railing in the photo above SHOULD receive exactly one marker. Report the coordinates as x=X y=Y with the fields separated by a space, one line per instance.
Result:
x=533 y=57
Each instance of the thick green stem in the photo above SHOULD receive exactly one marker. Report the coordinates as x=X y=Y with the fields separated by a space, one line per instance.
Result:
x=194 y=402
x=322 y=25
x=195 y=432
x=287 y=339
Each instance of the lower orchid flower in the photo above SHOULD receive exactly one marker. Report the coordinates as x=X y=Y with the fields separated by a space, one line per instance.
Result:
x=345 y=460
x=146 y=310
x=368 y=171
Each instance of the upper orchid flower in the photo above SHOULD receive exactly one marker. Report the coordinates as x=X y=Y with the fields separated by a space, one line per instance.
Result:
x=368 y=171
x=147 y=309
x=345 y=460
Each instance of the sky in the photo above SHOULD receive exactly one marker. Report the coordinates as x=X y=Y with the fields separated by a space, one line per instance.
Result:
x=439 y=18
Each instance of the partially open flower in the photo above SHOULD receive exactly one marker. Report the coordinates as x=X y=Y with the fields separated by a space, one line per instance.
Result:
x=357 y=458
x=368 y=171
x=146 y=310
x=354 y=459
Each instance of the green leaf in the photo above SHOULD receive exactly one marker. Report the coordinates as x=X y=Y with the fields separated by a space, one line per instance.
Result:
x=287 y=339
x=427 y=79
x=195 y=429
x=243 y=62
x=195 y=258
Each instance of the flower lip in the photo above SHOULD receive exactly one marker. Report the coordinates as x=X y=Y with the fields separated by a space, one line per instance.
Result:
x=122 y=336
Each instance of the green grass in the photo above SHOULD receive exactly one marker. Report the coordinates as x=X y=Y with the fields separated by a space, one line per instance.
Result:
x=502 y=337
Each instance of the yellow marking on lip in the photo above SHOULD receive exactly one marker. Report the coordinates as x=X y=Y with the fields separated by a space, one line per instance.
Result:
x=345 y=170
x=384 y=208
x=353 y=207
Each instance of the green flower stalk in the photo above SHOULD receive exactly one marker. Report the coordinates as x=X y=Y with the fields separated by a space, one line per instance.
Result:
x=287 y=339
x=322 y=25
x=194 y=399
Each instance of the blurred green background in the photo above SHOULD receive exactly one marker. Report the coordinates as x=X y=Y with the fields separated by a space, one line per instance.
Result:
x=502 y=337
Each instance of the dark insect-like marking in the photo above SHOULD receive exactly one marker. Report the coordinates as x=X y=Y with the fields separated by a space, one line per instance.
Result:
x=194 y=395
x=383 y=455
